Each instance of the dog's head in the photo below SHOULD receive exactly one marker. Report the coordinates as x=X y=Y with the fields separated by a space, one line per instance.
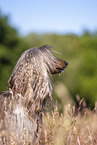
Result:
x=33 y=69
x=54 y=65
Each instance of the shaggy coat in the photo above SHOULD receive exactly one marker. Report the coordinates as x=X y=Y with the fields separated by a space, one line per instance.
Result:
x=30 y=90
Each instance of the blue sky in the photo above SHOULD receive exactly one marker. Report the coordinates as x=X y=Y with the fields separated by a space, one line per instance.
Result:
x=56 y=16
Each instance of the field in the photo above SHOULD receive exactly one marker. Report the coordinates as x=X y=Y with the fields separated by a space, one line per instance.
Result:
x=72 y=127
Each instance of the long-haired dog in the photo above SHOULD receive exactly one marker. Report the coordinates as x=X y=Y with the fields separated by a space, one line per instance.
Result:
x=29 y=90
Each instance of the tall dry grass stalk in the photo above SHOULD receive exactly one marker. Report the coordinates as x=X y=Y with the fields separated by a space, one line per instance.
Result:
x=60 y=129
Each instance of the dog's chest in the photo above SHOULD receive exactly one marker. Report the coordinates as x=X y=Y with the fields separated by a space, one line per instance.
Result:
x=20 y=122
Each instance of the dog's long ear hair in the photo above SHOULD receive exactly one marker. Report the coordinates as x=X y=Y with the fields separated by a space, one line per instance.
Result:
x=35 y=62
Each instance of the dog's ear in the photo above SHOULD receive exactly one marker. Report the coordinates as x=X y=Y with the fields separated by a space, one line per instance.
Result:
x=60 y=65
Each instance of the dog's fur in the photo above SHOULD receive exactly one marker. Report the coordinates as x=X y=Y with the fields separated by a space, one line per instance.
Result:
x=30 y=89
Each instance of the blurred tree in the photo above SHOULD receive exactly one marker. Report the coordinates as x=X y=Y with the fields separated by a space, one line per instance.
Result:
x=11 y=47
x=8 y=34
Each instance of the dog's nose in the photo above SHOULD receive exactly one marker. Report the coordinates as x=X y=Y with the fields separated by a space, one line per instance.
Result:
x=66 y=63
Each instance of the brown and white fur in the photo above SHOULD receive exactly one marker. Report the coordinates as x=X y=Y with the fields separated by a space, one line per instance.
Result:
x=29 y=91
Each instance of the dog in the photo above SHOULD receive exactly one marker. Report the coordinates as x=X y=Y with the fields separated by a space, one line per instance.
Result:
x=30 y=89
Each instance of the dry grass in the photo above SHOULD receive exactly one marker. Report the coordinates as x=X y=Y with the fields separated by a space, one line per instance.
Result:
x=69 y=129
x=64 y=129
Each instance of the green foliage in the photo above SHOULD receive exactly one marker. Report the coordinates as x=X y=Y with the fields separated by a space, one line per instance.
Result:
x=11 y=47
x=79 y=51
x=8 y=35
